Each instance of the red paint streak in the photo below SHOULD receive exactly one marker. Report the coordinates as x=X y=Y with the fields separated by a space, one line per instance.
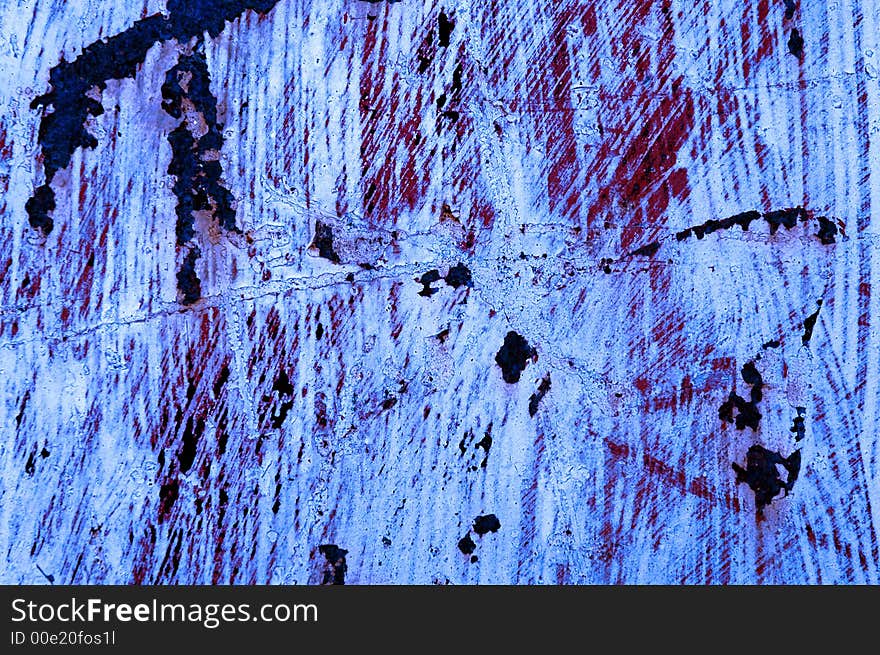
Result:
x=723 y=363
x=671 y=476
x=528 y=503
x=650 y=156
x=588 y=21
x=563 y=177
x=395 y=160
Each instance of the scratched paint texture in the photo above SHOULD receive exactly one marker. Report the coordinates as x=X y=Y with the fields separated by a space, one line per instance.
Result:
x=457 y=329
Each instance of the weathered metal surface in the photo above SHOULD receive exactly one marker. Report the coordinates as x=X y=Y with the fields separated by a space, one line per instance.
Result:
x=469 y=292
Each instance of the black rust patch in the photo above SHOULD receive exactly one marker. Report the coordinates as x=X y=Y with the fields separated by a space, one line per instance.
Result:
x=786 y=218
x=762 y=475
x=285 y=393
x=70 y=102
x=426 y=280
x=452 y=99
x=188 y=283
x=798 y=425
x=462 y=444
x=195 y=161
x=191 y=435
x=535 y=398
x=482 y=526
x=335 y=567
x=486 y=444
x=63 y=129
x=827 y=230
x=459 y=275
x=513 y=357
x=197 y=16
x=444 y=29
x=747 y=414
x=743 y=220
x=323 y=241
x=21 y=408
x=796 y=44
x=648 y=250
x=487 y=523
x=39 y=207
x=810 y=324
